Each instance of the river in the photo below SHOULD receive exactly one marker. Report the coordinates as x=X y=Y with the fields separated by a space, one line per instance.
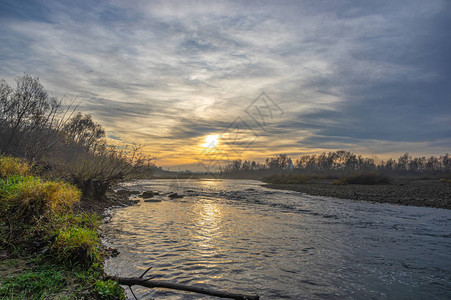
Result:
x=239 y=236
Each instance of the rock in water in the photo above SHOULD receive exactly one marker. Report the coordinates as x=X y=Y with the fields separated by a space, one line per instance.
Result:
x=175 y=195
x=123 y=192
x=147 y=194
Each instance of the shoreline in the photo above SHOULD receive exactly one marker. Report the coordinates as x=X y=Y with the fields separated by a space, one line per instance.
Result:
x=57 y=280
x=409 y=192
x=111 y=200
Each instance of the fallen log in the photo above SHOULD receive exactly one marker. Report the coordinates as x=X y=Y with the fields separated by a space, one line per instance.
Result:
x=147 y=282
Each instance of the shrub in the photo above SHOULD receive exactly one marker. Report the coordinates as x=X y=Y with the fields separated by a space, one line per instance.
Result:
x=77 y=246
x=108 y=290
x=29 y=205
x=89 y=221
x=363 y=178
x=10 y=166
x=29 y=198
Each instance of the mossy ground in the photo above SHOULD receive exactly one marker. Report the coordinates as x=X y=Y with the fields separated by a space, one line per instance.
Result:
x=38 y=277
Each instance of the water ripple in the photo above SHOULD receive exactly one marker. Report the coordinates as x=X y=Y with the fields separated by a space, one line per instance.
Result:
x=237 y=235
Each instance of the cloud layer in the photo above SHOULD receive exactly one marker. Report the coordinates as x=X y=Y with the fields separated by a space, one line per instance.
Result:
x=368 y=77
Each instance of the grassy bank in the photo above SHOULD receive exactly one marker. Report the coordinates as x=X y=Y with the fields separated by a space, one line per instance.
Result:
x=47 y=250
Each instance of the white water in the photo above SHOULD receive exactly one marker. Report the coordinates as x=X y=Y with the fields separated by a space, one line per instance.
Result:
x=239 y=236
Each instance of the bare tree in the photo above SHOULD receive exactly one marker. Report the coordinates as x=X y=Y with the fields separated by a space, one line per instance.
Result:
x=82 y=130
x=30 y=119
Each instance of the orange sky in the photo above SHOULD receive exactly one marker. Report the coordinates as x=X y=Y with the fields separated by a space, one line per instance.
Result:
x=371 y=77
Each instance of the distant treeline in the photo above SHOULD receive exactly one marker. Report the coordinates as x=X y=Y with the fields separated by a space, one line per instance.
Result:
x=338 y=163
x=59 y=142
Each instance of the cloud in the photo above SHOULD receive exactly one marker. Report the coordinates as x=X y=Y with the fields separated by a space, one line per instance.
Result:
x=347 y=74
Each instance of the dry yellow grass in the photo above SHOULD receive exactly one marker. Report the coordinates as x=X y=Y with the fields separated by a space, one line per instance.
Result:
x=34 y=198
x=10 y=166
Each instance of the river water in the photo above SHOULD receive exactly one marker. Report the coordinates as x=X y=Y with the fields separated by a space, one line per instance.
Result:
x=239 y=236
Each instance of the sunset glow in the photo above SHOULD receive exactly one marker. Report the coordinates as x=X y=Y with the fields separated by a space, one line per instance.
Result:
x=362 y=76
x=236 y=149
x=211 y=141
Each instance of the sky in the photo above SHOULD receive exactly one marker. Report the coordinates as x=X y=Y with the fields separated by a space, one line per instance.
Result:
x=197 y=83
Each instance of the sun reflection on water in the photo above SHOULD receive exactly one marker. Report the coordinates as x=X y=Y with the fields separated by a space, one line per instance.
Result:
x=208 y=226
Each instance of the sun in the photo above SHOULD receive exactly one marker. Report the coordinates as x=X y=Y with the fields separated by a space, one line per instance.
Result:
x=211 y=141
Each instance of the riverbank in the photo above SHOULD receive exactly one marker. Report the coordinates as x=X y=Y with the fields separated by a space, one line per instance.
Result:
x=36 y=268
x=111 y=199
x=50 y=246
x=412 y=192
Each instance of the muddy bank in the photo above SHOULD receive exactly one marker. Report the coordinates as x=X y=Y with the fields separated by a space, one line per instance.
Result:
x=430 y=193
x=99 y=206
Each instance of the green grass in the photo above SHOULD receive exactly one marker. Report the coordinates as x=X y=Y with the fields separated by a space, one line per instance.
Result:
x=72 y=267
x=36 y=215
x=48 y=280
x=38 y=283
x=108 y=290
x=363 y=178
x=27 y=199
x=29 y=207
x=8 y=185
x=77 y=246
x=89 y=221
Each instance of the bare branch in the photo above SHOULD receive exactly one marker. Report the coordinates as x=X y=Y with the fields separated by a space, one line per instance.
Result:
x=130 y=281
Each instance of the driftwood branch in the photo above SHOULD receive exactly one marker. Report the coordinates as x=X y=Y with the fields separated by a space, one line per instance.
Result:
x=147 y=282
